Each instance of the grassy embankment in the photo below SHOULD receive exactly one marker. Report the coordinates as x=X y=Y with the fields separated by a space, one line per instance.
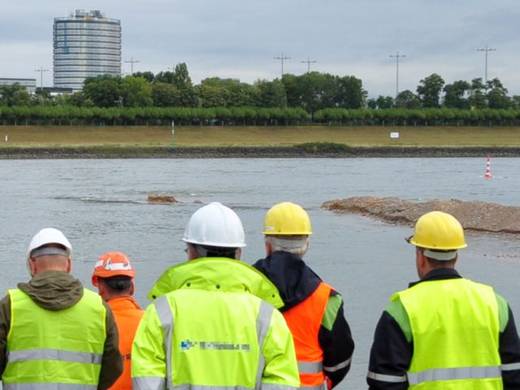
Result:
x=128 y=137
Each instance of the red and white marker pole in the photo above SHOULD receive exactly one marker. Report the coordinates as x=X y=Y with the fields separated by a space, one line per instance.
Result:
x=487 y=173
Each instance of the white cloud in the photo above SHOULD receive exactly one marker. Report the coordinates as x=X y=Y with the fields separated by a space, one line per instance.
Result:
x=239 y=38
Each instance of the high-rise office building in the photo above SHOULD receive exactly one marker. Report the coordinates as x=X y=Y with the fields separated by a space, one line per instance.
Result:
x=86 y=44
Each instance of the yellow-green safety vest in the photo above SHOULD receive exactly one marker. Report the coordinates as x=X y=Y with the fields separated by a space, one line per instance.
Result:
x=212 y=332
x=455 y=332
x=60 y=349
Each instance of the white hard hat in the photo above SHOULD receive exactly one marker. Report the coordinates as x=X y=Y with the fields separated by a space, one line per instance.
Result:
x=49 y=236
x=215 y=225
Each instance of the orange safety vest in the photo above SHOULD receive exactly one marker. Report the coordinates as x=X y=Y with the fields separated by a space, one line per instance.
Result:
x=304 y=321
x=127 y=314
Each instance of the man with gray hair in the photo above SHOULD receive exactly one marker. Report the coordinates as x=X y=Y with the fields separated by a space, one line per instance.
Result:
x=313 y=309
x=53 y=332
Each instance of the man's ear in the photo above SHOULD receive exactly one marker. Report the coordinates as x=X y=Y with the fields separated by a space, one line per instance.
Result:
x=31 y=266
x=268 y=247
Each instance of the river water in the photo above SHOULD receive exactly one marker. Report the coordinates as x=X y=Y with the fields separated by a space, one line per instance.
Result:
x=101 y=205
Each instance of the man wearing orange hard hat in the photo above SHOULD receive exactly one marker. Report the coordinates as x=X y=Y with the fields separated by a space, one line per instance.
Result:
x=114 y=278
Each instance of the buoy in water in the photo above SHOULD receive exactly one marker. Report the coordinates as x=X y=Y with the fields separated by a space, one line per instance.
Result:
x=487 y=173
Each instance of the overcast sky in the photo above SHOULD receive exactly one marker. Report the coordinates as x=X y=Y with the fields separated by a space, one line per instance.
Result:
x=239 y=38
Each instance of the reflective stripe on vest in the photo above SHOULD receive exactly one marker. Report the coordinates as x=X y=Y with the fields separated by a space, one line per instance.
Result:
x=455 y=333
x=148 y=383
x=310 y=367
x=54 y=354
x=338 y=366
x=263 y=321
x=38 y=357
x=166 y=319
x=156 y=383
x=510 y=367
x=164 y=311
x=446 y=374
x=48 y=386
x=386 y=378
x=304 y=321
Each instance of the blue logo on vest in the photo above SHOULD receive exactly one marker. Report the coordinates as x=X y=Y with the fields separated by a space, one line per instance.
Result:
x=186 y=345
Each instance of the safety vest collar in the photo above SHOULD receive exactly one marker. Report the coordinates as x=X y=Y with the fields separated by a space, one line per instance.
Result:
x=123 y=303
x=217 y=274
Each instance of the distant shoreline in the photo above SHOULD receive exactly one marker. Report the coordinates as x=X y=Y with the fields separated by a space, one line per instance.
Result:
x=104 y=152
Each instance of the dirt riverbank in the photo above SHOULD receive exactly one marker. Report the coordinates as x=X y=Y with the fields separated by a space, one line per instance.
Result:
x=297 y=151
x=473 y=215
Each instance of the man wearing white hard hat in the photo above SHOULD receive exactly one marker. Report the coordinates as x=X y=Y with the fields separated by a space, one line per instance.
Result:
x=212 y=324
x=54 y=334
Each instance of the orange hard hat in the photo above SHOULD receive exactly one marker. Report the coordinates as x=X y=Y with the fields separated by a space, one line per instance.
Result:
x=112 y=264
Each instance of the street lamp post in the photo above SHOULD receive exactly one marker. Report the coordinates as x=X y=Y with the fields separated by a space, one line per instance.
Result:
x=486 y=50
x=282 y=59
x=131 y=61
x=309 y=62
x=397 y=57
x=41 y=70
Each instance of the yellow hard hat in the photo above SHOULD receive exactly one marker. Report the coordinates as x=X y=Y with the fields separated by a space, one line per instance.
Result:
x=438 y=230
x=287 y=219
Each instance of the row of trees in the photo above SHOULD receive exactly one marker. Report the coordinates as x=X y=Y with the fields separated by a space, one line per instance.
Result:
x=420 y=117
x=312 y=92
x=433 y=92
x=255 y=116
x=72 y=115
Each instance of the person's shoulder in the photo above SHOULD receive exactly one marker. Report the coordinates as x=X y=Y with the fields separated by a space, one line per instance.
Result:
x=5 y=304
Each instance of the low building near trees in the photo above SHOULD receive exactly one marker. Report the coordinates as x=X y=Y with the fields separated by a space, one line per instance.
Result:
x=28 y=84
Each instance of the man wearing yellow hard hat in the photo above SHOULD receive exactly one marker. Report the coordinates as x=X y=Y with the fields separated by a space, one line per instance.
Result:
x=444 y=331
x=312 y=308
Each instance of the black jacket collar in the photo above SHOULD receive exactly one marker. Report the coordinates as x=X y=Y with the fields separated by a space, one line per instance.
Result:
x=293 y=278
x=438 y=274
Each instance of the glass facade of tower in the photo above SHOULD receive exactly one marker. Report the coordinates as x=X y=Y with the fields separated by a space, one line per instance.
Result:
x=86 y=44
